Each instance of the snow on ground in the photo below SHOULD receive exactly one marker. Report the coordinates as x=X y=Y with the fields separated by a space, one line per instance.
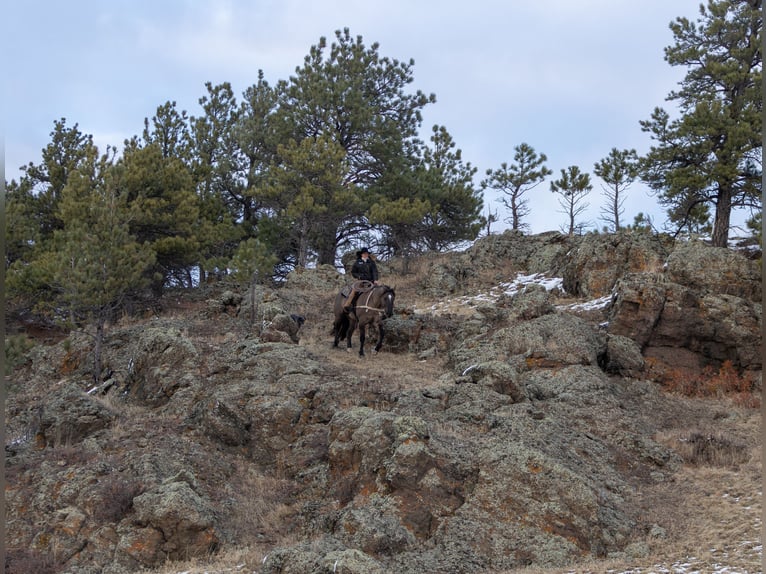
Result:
x=509 y=289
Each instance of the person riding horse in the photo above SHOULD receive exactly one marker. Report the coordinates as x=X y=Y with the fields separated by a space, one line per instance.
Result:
x=364 y=269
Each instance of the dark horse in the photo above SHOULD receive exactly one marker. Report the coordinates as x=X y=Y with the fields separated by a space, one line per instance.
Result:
x=371 y=308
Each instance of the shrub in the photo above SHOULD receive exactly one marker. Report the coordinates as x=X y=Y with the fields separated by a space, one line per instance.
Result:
x=727 y=381
x=16 y=347
x=712 y=450
x=116 y=496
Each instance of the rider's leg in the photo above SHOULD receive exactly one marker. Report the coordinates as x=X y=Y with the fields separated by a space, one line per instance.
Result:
x=349 y=299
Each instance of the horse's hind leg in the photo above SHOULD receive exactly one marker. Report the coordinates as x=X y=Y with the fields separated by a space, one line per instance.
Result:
x=349 y=333
x=362 y=330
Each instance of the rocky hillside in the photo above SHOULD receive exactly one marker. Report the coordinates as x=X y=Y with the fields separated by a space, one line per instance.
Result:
x=538 y=402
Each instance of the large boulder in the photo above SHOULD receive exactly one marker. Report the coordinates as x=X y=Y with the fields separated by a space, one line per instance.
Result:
x=715 y=270
x=552 y=340
x=538 y=253
x=596 y=261
x=175 y=522
x=162 y=362
x=69 y=415
x=693 y=325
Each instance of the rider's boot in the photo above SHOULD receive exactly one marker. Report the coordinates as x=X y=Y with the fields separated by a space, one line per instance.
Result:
x=348 y=301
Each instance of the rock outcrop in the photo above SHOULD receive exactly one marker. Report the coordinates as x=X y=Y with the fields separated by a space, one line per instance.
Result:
x=517 y=433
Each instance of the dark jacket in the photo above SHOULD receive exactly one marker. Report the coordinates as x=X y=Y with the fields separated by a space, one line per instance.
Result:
x=365 y=270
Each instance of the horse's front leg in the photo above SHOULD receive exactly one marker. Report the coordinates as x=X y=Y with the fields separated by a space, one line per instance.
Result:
x=380 y=338
x=362 y=329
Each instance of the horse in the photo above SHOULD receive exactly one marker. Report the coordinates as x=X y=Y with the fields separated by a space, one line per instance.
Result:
x=372 y=306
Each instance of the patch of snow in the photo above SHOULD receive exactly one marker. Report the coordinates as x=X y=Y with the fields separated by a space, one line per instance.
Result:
x=592 y=305
x=509 y=288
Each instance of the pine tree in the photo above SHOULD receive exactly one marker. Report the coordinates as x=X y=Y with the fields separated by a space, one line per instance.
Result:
x=515 y=180
x=618 y=170
x=67 y=150
x=351 y=95
x=97 y=262
x=308 y=196
x=573 y=186
x=710 y=155
x=163 y=211
x=454 y=213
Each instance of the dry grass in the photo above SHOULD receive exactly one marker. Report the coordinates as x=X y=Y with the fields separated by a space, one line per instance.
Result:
x=261 y=508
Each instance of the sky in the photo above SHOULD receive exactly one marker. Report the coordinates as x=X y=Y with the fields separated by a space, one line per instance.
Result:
x=571 y=79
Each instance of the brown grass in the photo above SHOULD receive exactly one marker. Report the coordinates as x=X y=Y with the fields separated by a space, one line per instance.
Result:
x=725 y=381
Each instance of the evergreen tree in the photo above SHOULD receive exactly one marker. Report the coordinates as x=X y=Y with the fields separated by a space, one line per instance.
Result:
x=22 y=232
x=256 y=135
x=515 y=180
x=309 y=196
x=433 y=205
x=355 y=98
x=446 y=183
x=169 y=129
x=96 y=262
x=217 y=168
x=710 y=155
x=573 y=186
x=163 y=211
x=67 y=150
x=618 y=170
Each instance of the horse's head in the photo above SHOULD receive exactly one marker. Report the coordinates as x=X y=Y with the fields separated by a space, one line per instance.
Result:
x=388 y=300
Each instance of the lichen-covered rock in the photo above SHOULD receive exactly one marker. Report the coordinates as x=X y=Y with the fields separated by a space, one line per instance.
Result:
x=623 y=357
x=538 y=253
x=637 y=304
x=69 y=415
x=552 y=340
x=715 y=270
x=320 y=278
x=596 y=261
x=221 y=422
x=162 y=362
x=512 y=434
x=662 y=316
x=531 y=302
x=184 y=520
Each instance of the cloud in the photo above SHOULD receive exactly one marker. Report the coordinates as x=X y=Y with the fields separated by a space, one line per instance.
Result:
x=572 y=79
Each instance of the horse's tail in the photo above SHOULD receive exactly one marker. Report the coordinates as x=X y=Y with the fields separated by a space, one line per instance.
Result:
x=343 y=327
x=340 y=327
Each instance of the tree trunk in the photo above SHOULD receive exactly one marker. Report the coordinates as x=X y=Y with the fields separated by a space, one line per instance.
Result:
x=571 y=220
x=97 y=350
x=515 y=213
x=722 y=218
x=327 y=246
x=303 y=243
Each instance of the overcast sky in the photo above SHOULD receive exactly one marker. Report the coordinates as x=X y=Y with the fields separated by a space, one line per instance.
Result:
x=570 y=78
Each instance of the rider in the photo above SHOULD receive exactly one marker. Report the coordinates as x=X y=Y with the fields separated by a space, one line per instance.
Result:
x=364 y=269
